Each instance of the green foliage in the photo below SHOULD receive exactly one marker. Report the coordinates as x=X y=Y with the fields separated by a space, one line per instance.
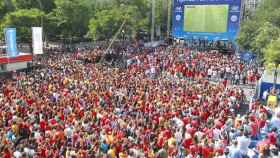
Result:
x=247 y=34
x=261 y=29
x=45 y=5
x=25 y=4
x=265 y=34
x=105 y=23
x=272 y=53
x=22 y=20
x=69 y=19
x=5 y=7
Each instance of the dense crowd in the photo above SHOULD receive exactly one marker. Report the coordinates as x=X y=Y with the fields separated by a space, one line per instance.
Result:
x=171 y=103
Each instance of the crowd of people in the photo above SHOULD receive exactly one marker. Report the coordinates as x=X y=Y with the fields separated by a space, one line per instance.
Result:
x=169 y=103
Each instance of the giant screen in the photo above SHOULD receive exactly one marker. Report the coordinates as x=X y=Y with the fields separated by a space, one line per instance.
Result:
x=207 y=19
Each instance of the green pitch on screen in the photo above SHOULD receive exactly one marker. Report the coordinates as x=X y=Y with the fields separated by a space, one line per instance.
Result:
x=206 y=18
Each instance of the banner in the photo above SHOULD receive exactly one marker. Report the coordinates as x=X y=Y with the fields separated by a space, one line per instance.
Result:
x=37 y=40
x=10 y=37
x=206 y=19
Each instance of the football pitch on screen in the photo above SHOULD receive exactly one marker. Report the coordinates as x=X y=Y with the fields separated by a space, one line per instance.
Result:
x=206 y=18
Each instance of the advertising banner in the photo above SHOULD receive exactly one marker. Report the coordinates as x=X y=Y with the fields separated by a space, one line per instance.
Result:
x=37 y=40
x=206 y=19
x=10 y=37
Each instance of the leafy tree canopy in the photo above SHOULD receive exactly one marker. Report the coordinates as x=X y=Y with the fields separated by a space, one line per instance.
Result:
x=262 y=29
x=79 y=19
x=22 y=20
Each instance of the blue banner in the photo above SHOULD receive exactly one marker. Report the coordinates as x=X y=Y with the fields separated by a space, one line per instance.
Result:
x=192 y=19
x=10 y=36
x=247 y=56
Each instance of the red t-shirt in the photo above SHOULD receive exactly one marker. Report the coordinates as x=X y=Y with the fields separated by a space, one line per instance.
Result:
x=160 y=142
x=191 y=131
x=43 y=153
x=187 y=143
x=206 y=151
x=186 y=120
x=193 y=149
x=272 y=138
x=254 y=127
x=7 y=154
x=261 y=123
x=167 y=134
x=53 y=121
x=43 y=125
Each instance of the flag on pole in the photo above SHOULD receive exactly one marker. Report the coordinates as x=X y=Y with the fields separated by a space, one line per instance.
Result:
x=10 y=37
x=37 y=40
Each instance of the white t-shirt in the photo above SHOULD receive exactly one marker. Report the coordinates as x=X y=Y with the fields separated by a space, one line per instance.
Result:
x=216 y=134
x=179 y=136
x=179 y=123
x=265 y=94
x=153 y=70
x=17 y=154
x=227 y=69
x=214 y=73
x=236 y=76
x=209 y=72
x=243 y=144
x=275 y=122
x=68 y=132
x=29 y=152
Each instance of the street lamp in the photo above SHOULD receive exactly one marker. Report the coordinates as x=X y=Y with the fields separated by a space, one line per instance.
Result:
x=153 y=21
x=169 y=6
x=123 y=34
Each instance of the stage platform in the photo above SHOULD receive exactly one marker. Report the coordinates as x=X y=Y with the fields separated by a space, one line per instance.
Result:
x=24 y=57
x=15 y=63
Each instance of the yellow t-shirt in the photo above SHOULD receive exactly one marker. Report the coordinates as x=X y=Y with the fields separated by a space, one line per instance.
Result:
x=111 y=153
x=110 y=139
x=171 y=141
x=122 y=155
x=272 y=100
x=15 y=128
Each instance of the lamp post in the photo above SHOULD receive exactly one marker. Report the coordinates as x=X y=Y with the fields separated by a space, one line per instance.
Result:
x=153 y=21
x=169 y=6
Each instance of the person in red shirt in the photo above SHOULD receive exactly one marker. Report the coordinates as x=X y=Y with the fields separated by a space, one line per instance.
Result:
x=43 y=125
x=206 y=150
x=6 y=153
x=272 y=136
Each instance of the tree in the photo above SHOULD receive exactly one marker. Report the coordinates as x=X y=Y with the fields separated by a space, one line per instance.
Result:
x=265 y=35
x=106 y=22
x=74 y=19
x=25 y=4
x=272 y=52
x=5 y=7
x=69 y=19
x=247 y=34
x=261 y=28
x=45 y=5
x=22 y=20
x=272 y=57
